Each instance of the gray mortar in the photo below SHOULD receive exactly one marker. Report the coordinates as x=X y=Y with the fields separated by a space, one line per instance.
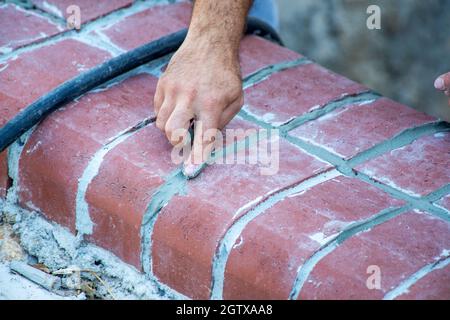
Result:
x=229 y=239
x=406 y=137
x=175 y=184
x=264 y=73
x=342 y=102
x=55 y=246
x=86 y=28
x=358 y=227
x=58 y=249
x=84 y=224
x=404 y=287
x=402 y=139
x=30 y=8
x=14 y=152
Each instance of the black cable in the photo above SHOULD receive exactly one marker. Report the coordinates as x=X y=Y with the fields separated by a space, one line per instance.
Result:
x=104 y=72
x=260 y=28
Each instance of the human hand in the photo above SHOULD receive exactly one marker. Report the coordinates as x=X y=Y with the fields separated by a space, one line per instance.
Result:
x=202 y=83
x=443 y=83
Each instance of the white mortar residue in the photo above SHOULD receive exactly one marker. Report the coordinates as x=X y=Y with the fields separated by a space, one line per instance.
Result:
x=57 y=248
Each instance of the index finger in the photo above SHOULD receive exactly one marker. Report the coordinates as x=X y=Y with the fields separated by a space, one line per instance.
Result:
x=205 y=130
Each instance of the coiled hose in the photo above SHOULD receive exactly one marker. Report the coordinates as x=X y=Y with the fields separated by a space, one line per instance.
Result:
x=104 y=72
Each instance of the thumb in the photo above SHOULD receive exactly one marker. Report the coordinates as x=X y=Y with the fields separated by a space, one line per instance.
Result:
x=443 y=82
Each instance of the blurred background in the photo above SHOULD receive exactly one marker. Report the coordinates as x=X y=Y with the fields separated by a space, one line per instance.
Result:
x=401 y=60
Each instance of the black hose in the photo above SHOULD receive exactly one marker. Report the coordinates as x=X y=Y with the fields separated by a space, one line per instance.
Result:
x=260 y=28
x=104 y=72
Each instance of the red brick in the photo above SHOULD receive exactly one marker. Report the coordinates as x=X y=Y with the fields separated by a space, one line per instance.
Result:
x=51 y=163
x=257 y=53
x=263 y=263
x=359 y=127
x=68 y=140
x=434 y=286
x=25 y=78
x=296 y=91
x=105 y=113
x=32 y=74
x=119 y=195
x=399 y=247
x=190 y=227
x=149 y=25
x=445 y=202
x=90 y=10
x=19 y=27
x=418 y=169
x=4 y=179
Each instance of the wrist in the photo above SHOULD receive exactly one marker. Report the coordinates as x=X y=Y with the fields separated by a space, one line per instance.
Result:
x=207 y=48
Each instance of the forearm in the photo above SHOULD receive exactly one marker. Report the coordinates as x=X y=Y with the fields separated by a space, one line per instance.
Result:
x=219 y=24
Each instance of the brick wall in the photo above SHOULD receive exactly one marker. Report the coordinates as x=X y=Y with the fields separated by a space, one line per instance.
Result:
x=363 y=181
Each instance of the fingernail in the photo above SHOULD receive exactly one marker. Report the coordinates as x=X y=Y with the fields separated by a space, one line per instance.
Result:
x=439 y=84
x=191 y=171
x=188 y=169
